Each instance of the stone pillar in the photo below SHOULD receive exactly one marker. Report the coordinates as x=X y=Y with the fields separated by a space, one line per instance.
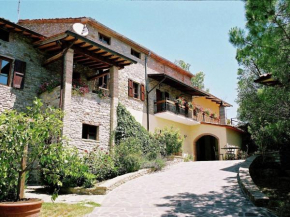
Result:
x=114 y=93
x=67 y=90
x=223 y=118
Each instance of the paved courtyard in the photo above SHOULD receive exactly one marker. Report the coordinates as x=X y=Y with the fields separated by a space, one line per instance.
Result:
x=207 y=188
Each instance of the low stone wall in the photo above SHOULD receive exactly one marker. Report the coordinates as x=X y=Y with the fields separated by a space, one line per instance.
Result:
x=248 y=186
x=106 y=186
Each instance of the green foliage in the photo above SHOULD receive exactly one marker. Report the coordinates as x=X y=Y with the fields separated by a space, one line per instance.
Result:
x=38 y=130
x=67 y=167
x=128 y=127
x=48 y=86
x=170 y=139
x=198 y=80
x=101 y=164
x=156 y=164
x=128 y=155
x=182 y=64
x=188 y=158
x=136 y=148
x=264 y=48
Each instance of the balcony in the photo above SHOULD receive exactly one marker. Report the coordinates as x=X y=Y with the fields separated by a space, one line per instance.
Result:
x=168 y=109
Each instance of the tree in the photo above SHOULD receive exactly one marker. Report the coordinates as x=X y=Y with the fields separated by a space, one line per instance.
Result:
x=39 y=131
x=197 y=80
x=182 y=64
x=263 y=47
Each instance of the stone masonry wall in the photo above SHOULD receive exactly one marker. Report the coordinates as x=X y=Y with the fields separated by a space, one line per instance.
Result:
x=135 y=72
x=92 y=110
x=19 y=47
x=51 y=98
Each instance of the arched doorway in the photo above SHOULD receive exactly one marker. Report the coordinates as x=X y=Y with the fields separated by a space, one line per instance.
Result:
x=207 y=148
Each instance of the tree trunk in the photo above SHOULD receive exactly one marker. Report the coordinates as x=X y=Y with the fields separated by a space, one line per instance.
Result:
x=21 y=176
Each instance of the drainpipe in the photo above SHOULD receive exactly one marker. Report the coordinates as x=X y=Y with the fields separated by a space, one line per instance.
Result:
x=147 y=92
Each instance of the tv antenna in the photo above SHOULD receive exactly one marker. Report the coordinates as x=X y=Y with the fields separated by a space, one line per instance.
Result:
x=18 y=10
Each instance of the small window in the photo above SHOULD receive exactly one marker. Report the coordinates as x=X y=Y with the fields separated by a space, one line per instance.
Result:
x=104 y=39
x=5 y=66
x=135 y=53
x=4 y=35
x=90 y=132
x=103 y=82
x=136 y=90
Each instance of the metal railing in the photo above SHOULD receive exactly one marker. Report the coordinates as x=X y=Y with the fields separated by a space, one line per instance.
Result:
x=171 y=106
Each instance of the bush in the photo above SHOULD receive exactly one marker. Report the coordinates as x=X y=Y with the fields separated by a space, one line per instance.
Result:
x=169 y=139
x=188 y=158
x=128 y=156
x=101 y=164
x=156 y=165
x=69 y=168
x=128 y=127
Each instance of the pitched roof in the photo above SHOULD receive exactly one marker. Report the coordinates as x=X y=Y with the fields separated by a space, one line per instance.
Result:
x=10 y=26
x=105 y=29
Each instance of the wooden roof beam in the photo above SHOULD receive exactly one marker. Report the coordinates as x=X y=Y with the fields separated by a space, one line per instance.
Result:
x=95 y=56
x=52 y=59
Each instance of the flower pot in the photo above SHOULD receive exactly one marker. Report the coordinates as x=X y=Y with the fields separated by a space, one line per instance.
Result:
x=27 y=208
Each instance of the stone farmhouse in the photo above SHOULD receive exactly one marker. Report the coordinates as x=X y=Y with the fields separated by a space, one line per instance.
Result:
x=112 y=69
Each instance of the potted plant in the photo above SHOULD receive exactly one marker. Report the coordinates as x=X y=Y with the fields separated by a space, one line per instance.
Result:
x=190 y=105
x=179 y=100
x=26 y=138
x=207 y=112
x=48 y=86
x=79 y=87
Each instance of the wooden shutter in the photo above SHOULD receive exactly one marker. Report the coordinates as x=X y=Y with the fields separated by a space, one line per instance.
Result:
x=19 y=73
x=142 y=91
x=130 y=88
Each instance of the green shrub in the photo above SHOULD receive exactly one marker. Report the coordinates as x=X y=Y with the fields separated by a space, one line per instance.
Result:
x=68 y=167
x=101 y=164
x=156 y=165
x=128 y=156
x=128 y=127
x=169 y=139
x=188 y=158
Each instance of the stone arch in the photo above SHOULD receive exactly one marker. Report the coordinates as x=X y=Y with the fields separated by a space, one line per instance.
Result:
x=217 y=146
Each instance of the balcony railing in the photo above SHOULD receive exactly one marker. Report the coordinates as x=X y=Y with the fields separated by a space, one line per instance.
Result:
x=171 y=106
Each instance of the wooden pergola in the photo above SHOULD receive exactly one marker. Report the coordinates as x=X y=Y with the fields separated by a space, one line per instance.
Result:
x=86 y=52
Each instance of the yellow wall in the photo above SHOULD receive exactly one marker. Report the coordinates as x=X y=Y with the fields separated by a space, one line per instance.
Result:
x=234 y=138
x=206 y=103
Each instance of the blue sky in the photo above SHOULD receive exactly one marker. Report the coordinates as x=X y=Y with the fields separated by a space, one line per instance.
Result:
x=194 y=31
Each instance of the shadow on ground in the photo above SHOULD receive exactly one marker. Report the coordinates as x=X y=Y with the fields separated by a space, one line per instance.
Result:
x=234 y=168
x=228 y=203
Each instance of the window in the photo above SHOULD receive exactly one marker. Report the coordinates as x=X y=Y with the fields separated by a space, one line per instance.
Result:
x=136 y=90
x=90 y=132
x=135 y=53
x=104 y=39
x=5 y=66
x=4 y=35
x=18 y=75
x=103 y=82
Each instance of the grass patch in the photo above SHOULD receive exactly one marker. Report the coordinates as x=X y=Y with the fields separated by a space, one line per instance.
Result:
x=67 y=210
